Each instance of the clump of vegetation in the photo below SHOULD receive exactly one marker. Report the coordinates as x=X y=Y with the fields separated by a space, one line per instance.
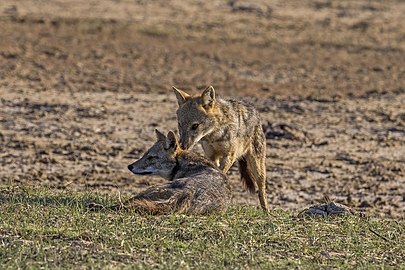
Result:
x=48 y=228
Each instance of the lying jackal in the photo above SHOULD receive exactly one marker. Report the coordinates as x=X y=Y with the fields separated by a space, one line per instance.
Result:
x=196 y=186
x=229 y=130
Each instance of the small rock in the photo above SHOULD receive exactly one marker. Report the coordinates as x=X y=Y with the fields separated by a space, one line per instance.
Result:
x=378 y=69
x=329 y=209
x=11 y=11
x=365 y=204
x=284 y=131
x=249 y=7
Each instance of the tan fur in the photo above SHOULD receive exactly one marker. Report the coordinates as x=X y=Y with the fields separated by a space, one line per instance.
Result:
x=195 y=185
x=229 y=130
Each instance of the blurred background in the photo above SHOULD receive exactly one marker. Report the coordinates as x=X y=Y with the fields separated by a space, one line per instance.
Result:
x=83 y=84
x=241 y=47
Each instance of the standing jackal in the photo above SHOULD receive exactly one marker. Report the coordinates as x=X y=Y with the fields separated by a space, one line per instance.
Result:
x=196 y=186
x=229 y=130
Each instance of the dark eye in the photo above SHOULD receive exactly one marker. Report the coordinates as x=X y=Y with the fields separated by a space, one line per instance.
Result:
x=194 y=127
x=150 y=158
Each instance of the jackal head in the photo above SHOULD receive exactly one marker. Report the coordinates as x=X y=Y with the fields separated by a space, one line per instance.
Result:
x=160 y=159
x=195 y=116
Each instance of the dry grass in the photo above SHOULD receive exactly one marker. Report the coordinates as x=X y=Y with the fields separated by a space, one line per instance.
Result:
x=44 y=228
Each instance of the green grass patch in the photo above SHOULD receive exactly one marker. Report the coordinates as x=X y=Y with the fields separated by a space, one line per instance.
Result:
x=53 y=229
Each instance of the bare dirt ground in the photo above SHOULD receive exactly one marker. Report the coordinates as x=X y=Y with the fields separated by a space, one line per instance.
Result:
x=83 y=84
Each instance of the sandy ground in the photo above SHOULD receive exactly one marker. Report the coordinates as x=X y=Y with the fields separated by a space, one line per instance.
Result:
x=83 y=84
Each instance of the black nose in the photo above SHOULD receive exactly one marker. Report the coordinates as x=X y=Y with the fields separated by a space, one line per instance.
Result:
x=130 y=167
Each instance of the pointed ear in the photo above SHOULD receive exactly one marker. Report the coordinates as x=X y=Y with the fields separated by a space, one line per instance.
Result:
x=171 y=141
x=208 y=97
x=180 y=95
x=160 y=136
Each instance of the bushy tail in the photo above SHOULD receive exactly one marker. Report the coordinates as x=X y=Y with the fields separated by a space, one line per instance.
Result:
x=178 y=202
x=246 y=175
x=146 y=206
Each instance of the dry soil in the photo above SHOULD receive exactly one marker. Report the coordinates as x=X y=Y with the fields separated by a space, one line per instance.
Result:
x=83 y=84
